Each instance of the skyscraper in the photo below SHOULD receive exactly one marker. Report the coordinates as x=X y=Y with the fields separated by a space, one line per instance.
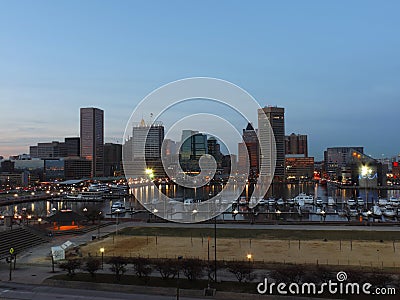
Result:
x=151 y=137
x=276 y=117
x=92 y=138
x=251 y=141
x=296 y=144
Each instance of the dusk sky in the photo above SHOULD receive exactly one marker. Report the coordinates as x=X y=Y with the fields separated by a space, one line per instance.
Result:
x=333 y=65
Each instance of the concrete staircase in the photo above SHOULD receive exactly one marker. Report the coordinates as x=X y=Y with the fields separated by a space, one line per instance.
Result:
x=20 y=239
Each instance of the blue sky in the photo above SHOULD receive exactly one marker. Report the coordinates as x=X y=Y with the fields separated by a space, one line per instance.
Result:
x=334 y=65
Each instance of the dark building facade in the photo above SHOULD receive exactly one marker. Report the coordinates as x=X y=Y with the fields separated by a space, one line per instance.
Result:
x=92 y=138
x=77 y=168
x=296 y=144
x=250 y=140
x=7 y=166
x=336 y=158
x=71 y=147
x=112 y=159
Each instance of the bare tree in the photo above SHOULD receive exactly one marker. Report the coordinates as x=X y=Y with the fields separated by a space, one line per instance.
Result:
x=92 y=265
x=167 y=268
x=70 y=265
x=118 y=266
x=193 y=268
x=242 y=270
x=142 y=267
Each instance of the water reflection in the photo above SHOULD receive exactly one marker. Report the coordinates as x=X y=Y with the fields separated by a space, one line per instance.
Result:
x=260 y=213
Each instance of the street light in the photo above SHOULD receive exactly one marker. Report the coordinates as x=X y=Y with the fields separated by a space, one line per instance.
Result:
x=235 y=212
x=116 y=222
x=323 y=214
x=249 y=256
x=278 y=214
x=177 y=282
x=102 y=257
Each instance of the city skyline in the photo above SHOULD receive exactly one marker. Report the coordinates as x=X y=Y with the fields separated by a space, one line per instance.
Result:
x=333 y=68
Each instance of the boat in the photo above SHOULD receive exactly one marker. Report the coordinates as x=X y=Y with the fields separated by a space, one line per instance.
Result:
x=302 y=199
x=271 y=202
x=280 y=201
x=262 y=202
x=393 y=201
x=318 y=201
x=389 y=212
x=86 y=196
x=360 y=201
x=290 y=201
x=118 y=208
x=382 y=202
x=351 y=202
x=98 y=187
x=376 y=211
x=331 y=201
x=188 y=201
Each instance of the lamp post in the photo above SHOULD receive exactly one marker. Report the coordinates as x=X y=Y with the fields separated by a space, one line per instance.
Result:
x=323 y=216
x=215 y=249
x=116 y=223
x=102 y=257
x=235 y=212
x=278 y=214
x=177 y=282
x=98 y=227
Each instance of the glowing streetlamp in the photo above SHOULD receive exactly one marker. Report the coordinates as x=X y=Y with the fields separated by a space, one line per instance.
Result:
x=235 y=212
x=249 y=256
x=102 y=257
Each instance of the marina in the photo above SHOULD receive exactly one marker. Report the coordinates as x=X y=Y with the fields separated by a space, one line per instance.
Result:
x=305 y=202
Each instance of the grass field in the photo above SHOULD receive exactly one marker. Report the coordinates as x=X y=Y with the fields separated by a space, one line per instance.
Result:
x=343 y=248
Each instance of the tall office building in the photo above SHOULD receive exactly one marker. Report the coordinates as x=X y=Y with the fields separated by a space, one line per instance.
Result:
x=112 y=159
x=92 y=138
x=251 y=141
x=193 y=146
x=276 y=118
x=296 y=144
x=153 y=137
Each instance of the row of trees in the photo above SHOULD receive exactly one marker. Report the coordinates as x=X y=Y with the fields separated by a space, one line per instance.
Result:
x=194 y=269
x=191 y=268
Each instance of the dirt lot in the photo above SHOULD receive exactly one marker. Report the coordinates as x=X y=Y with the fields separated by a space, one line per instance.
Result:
x=357 y=253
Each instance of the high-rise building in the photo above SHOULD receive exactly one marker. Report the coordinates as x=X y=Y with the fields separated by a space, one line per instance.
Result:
x=251 y=141
x=296 y=144
x=71 y=147
x=151 y=137
x=92 y=138
x=112 y=159
x=45 y=150
x=276 y=118
x=193 y=146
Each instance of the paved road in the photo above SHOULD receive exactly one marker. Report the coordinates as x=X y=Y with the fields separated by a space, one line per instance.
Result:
x=259 y=226
x=36 y=292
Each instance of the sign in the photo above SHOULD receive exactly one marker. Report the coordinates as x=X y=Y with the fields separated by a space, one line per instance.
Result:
x=11 y=250
x=58 y=253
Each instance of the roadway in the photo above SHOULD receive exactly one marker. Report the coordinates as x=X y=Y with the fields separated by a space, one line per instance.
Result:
x=42 y=292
